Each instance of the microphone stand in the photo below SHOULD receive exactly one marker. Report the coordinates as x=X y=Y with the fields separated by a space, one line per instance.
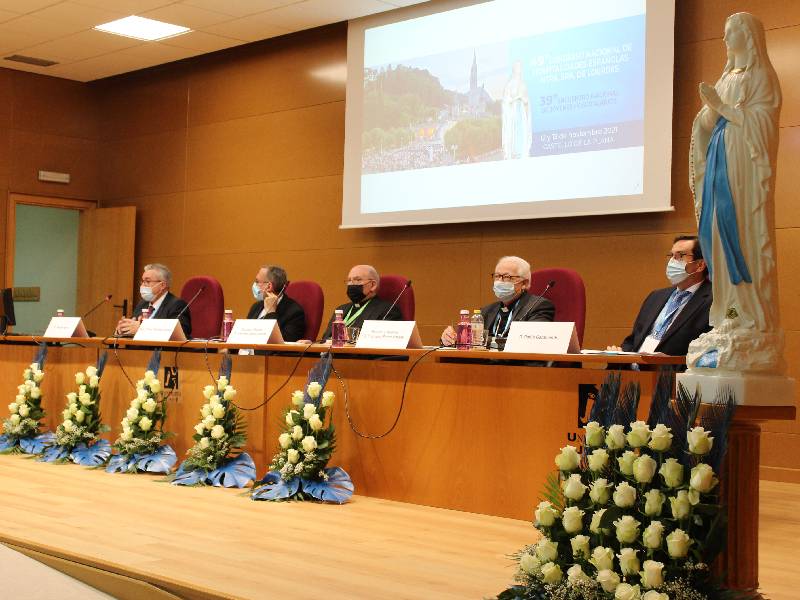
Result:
x=396 y=300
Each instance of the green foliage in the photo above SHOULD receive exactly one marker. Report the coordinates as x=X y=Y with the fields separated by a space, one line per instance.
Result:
x=474 y=137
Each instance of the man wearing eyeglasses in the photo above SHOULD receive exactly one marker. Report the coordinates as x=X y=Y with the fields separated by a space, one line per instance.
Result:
x=156 y=281
x=271 y=302
x=362 y=288
x=511 y=280
x=670 y=318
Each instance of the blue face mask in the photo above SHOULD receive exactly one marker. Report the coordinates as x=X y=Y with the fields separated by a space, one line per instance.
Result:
x=676 y=271
x=257 y=293
x=504 y=290
x=146 y=292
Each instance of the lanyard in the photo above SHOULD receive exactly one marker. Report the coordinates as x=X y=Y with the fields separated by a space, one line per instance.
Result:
x=349 y=319
x=497 y=323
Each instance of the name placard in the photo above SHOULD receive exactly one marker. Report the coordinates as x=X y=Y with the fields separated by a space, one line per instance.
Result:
x=255 y=331
x=543 y=338
x=65 y=327
x=389 y=335
x=160 y=330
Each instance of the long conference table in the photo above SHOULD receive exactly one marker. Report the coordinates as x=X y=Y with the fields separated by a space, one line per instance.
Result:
x=475 y=431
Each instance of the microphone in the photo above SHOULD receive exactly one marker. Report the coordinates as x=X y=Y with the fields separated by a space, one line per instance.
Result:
x=96 y=306
x=550 y=285
x=405 y=287
x=189 y=303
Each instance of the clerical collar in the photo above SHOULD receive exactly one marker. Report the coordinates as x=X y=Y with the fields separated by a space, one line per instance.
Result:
x=513 y=305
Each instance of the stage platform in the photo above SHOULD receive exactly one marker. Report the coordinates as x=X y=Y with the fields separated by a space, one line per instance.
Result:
x=148 y=539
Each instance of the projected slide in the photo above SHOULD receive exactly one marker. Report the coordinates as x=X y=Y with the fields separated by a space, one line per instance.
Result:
x=503 y=103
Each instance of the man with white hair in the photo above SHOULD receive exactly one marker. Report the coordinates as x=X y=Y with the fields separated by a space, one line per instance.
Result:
x=511 y=280
x=362 y=289
x=154 y=289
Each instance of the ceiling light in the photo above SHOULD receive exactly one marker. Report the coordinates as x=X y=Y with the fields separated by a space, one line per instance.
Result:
x=142 y=29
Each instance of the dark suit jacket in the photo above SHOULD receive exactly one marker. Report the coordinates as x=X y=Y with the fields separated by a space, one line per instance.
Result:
x=687 y=326
x=543 y=310
x=169 y=309
x=290 y=315
x=374 y=311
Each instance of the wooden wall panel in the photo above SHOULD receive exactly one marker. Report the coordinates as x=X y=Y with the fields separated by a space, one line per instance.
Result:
x=787 y=209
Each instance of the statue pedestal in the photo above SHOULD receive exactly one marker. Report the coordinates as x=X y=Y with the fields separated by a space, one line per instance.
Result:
x=760 y=398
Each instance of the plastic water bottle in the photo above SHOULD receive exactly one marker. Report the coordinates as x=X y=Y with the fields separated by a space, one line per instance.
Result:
x=59 y=312
x=464 y=332
x=145 y=313
x=227 y=324
x=338 y=330
x=477 y=329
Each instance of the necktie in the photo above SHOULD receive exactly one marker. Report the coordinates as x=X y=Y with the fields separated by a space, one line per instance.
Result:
x=665 y=318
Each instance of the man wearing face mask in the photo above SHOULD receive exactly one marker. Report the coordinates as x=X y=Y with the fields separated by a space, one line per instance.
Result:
x=510 y=283
x=670 y=318
x=154 y=289
x=271 y=303
x=362 y=288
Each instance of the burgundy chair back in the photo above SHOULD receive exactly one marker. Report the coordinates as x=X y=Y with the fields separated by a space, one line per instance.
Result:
x=308 y=294
x=568 y=295
x=208 y=307
x=391 y=286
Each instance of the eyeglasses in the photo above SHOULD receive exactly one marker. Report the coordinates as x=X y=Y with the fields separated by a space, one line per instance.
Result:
x=151 y=281
x=680 y=255
x=506 y=278
x=357 y=281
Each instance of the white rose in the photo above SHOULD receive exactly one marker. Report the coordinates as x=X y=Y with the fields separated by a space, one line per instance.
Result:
x=660 y=438
x=85 y=399
x=297 y=433
x=209 y=391
x=290 y=417
x=327 y=399
x=126 y=436
x=607 y=579
x=34 y=366
x=628 y=562
x=80 y=378
x=672 y=472
x=551 y=573
x=36 y=393
x=573 y=487
x=546 y=550
x=545 y=514
x=79 y=416
x=701 y=479
x=214 y=400
x=644 y=468
x=205 y=410
x=298 y=398
x=580 y=546
x=626 y=462
x=315 y=422
x=205 y=443
x=222 y=383
x=678 y=543
x=141 y=395
x=13 y=407
x=308 y=410
x=217 y=431
x=598 y=459
x=149 y=406
x=595 y=434
x=209 y=421
x=94 y=381
x=575 y=575
x=73 y=408
x=218 y=411
x=626 y=591
x=67 y=413
x=654 y=595
x=699 y=441
x=292 y=455
x=624 y=495
x=38 y=376
x=639 y=434
x=155 y=386
x=68 y=424
x=530 y=564
x=91 y=371
x=309 y=443
x=568 y=459
x=652 y=575
x=145 y=424
x=572 y=519
x=615 y=438
x=627 y=529
x=230 y=393
x=680 y=505
x=24 y=411
x=26 y=373
x=285 y=440
x=14 y=419
x=19 y=399
x=199 y=429
x=72 y=397
x=132 y=414
x=594 y=526
x=653 y=501
x=600 y=492
x=652 y=535
x=314 y=390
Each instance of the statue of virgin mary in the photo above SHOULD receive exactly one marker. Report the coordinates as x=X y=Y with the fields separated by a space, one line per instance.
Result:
x=733 y=150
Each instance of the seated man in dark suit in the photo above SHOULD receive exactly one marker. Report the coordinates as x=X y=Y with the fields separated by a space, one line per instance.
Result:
x=272 y=303
x=510 y=283
x=156 y=281
x=362 y=289
x=670 y=318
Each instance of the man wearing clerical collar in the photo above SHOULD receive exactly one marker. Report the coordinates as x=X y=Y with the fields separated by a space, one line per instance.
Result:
x=362 y=284
x=511 y=281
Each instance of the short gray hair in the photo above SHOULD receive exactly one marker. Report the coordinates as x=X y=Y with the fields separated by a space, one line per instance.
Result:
x=166 y=274
x=523 y=266
x=276 y=276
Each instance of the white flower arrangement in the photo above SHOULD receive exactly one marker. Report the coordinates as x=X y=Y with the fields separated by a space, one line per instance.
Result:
x=142 y=425
x=25 y=412
x=81 y=421
x=220 y=433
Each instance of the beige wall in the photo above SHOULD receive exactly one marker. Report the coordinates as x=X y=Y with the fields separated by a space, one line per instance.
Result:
x=235 y=159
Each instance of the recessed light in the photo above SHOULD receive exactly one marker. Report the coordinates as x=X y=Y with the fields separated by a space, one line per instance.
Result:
x=141 y=28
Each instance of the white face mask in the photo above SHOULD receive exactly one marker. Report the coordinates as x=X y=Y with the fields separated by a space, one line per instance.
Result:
x=676 y=271
x=146 y=293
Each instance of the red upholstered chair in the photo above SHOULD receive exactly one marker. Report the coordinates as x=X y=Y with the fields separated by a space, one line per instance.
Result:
x=568 y=295
x=308 y=294
x=390 y=287
x=207 y=308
